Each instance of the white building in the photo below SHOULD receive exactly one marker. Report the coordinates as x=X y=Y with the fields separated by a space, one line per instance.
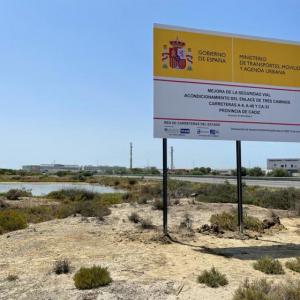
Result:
x=51 y=168
x=289 y=164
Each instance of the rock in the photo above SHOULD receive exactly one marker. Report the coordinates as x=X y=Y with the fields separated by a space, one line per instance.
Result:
x=213 y=229
x=204 y=228
x=270 y=222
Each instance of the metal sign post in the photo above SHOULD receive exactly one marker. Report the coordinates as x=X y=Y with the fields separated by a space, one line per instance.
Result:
x=165 y=187
x=239 y=185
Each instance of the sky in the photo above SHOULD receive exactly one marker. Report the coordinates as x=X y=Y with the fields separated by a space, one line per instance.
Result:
x=76 y=79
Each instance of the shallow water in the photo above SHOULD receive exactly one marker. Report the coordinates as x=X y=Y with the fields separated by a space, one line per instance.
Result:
x=44 y=188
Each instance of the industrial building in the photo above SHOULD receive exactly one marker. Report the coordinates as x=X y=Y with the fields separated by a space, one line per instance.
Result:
x=54 y=168
x=51 y=168
x=289 y=164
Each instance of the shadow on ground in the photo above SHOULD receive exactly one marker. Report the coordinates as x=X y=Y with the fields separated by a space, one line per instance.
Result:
x=280 y=250
x=254 y=252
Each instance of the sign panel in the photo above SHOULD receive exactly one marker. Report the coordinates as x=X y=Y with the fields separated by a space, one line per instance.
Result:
x=219 y=86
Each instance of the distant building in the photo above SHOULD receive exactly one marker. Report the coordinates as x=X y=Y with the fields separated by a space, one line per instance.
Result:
x=96 y=169
x=54 y=168
x=51 y=168
x=289 y=164
x=223 y=172
x=32 y=168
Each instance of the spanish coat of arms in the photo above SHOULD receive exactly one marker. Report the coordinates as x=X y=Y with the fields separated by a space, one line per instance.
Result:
x=176 y=56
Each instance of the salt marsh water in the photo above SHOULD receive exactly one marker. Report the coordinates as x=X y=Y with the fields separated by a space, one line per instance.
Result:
x=43 y=188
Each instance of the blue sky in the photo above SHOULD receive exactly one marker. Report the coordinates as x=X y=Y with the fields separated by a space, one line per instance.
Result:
x=76 y=79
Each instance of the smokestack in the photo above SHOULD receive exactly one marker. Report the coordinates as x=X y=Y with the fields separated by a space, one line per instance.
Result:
x=172 y=158
x=131 y=147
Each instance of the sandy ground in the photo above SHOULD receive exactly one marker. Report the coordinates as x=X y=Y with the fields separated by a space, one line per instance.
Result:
x=141 y=265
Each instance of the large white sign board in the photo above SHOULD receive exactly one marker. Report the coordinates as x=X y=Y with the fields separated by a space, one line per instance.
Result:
x=224 y=87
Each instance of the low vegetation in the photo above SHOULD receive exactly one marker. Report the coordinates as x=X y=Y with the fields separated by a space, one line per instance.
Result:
x=72 y=195
x=266 y=290
x=212 y=278
x=142 y=200
x=16 y=194
x=158 y=204
x=70 y=202
x=11 y=220
x=90 y=278
x=134 y=218
x=12 y=277
x=229 y=221
x=86 y=203
x=269 y=265
x=294 y=264
x=146 y=223
x=279 y=173
x=186 y=223
x=62 y=266
x=287 y=198
x=37 y=214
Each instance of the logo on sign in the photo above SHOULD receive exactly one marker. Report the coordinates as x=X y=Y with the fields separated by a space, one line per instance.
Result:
x=205 y=131
x=213 y=132
x=185 y=131
x=176 y=56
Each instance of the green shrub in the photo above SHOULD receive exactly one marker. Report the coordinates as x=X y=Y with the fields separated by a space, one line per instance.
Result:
x=229 y=221
x=134 y=218
x=277 y=198
x=92 y=209
x=151 y=190
x=146 y=223
x=288 y=291
x=129 y=197
x=212 y=278
x=268 y=265
x=279 y=173
x=264 y=290
x=225 y=220
x=158 y=204
x=294 y=265
x=180 y=189
x=256 y=171
x=258 y=290
x=142 y=200
x=65 y=210
x=41 y=213
x=11 y=220
x=218 y=193
x=15 y=194
x=63 y=173
x=90 y=278
x=252 y=223
x=110 y=198
x=87 y=209
x=187 y=222
x=86 y=203
x=72 y=195
x=132 y=181
x=62 y=267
